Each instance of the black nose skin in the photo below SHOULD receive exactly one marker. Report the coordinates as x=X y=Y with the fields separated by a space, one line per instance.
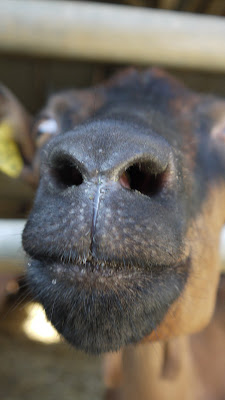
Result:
x=105 y=226
x=107 y=148
x=106 y=191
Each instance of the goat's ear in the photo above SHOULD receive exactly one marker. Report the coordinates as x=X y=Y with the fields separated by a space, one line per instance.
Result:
x=16 y=146
x=67 y=109
x=64 y=111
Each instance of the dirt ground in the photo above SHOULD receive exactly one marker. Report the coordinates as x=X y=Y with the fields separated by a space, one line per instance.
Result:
x=31 y=370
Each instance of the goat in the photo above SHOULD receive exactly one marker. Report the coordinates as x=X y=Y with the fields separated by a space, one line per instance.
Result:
x=123 y=234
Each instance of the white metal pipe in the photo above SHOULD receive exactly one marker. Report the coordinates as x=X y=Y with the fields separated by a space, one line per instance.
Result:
x=12 y=257
x=112 y=33
x=222 y=249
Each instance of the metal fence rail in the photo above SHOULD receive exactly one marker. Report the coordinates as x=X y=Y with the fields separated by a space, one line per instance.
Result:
x=113 y=33
x=12 y=257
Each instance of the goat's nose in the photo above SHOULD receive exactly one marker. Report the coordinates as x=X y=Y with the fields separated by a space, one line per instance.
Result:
x=138 y=162
x=65 y=170
x=145 y=177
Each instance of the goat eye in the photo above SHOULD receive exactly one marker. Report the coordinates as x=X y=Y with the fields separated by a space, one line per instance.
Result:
x=48 y=126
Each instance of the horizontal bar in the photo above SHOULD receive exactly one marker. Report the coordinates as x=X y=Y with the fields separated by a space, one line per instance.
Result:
x=222 y=249
x=112 y=33
x=12 y=257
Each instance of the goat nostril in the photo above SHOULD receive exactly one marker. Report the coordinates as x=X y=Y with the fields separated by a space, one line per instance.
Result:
x=142 y=177
x=124 y=180
x=66 y=174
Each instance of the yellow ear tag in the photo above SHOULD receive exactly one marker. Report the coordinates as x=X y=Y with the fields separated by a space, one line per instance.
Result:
x=11 y=162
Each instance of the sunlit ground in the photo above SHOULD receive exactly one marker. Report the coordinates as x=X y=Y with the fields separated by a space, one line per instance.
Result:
x=36 y=326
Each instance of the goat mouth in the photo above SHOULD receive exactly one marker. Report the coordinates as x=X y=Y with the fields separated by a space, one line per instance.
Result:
x=94 y=268
x=101 y=307
x=100 y=271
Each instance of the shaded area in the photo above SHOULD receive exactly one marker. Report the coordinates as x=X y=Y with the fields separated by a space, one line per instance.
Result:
x=32 y=370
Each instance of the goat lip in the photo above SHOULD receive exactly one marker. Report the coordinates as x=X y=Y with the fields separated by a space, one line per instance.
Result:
x=104 y=270
x=90 y=270
x=98 y=313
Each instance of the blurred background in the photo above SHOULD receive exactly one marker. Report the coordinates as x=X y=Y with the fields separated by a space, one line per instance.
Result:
x=46 y=46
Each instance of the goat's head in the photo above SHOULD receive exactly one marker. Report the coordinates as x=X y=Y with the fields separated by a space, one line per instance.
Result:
x=123 y=235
